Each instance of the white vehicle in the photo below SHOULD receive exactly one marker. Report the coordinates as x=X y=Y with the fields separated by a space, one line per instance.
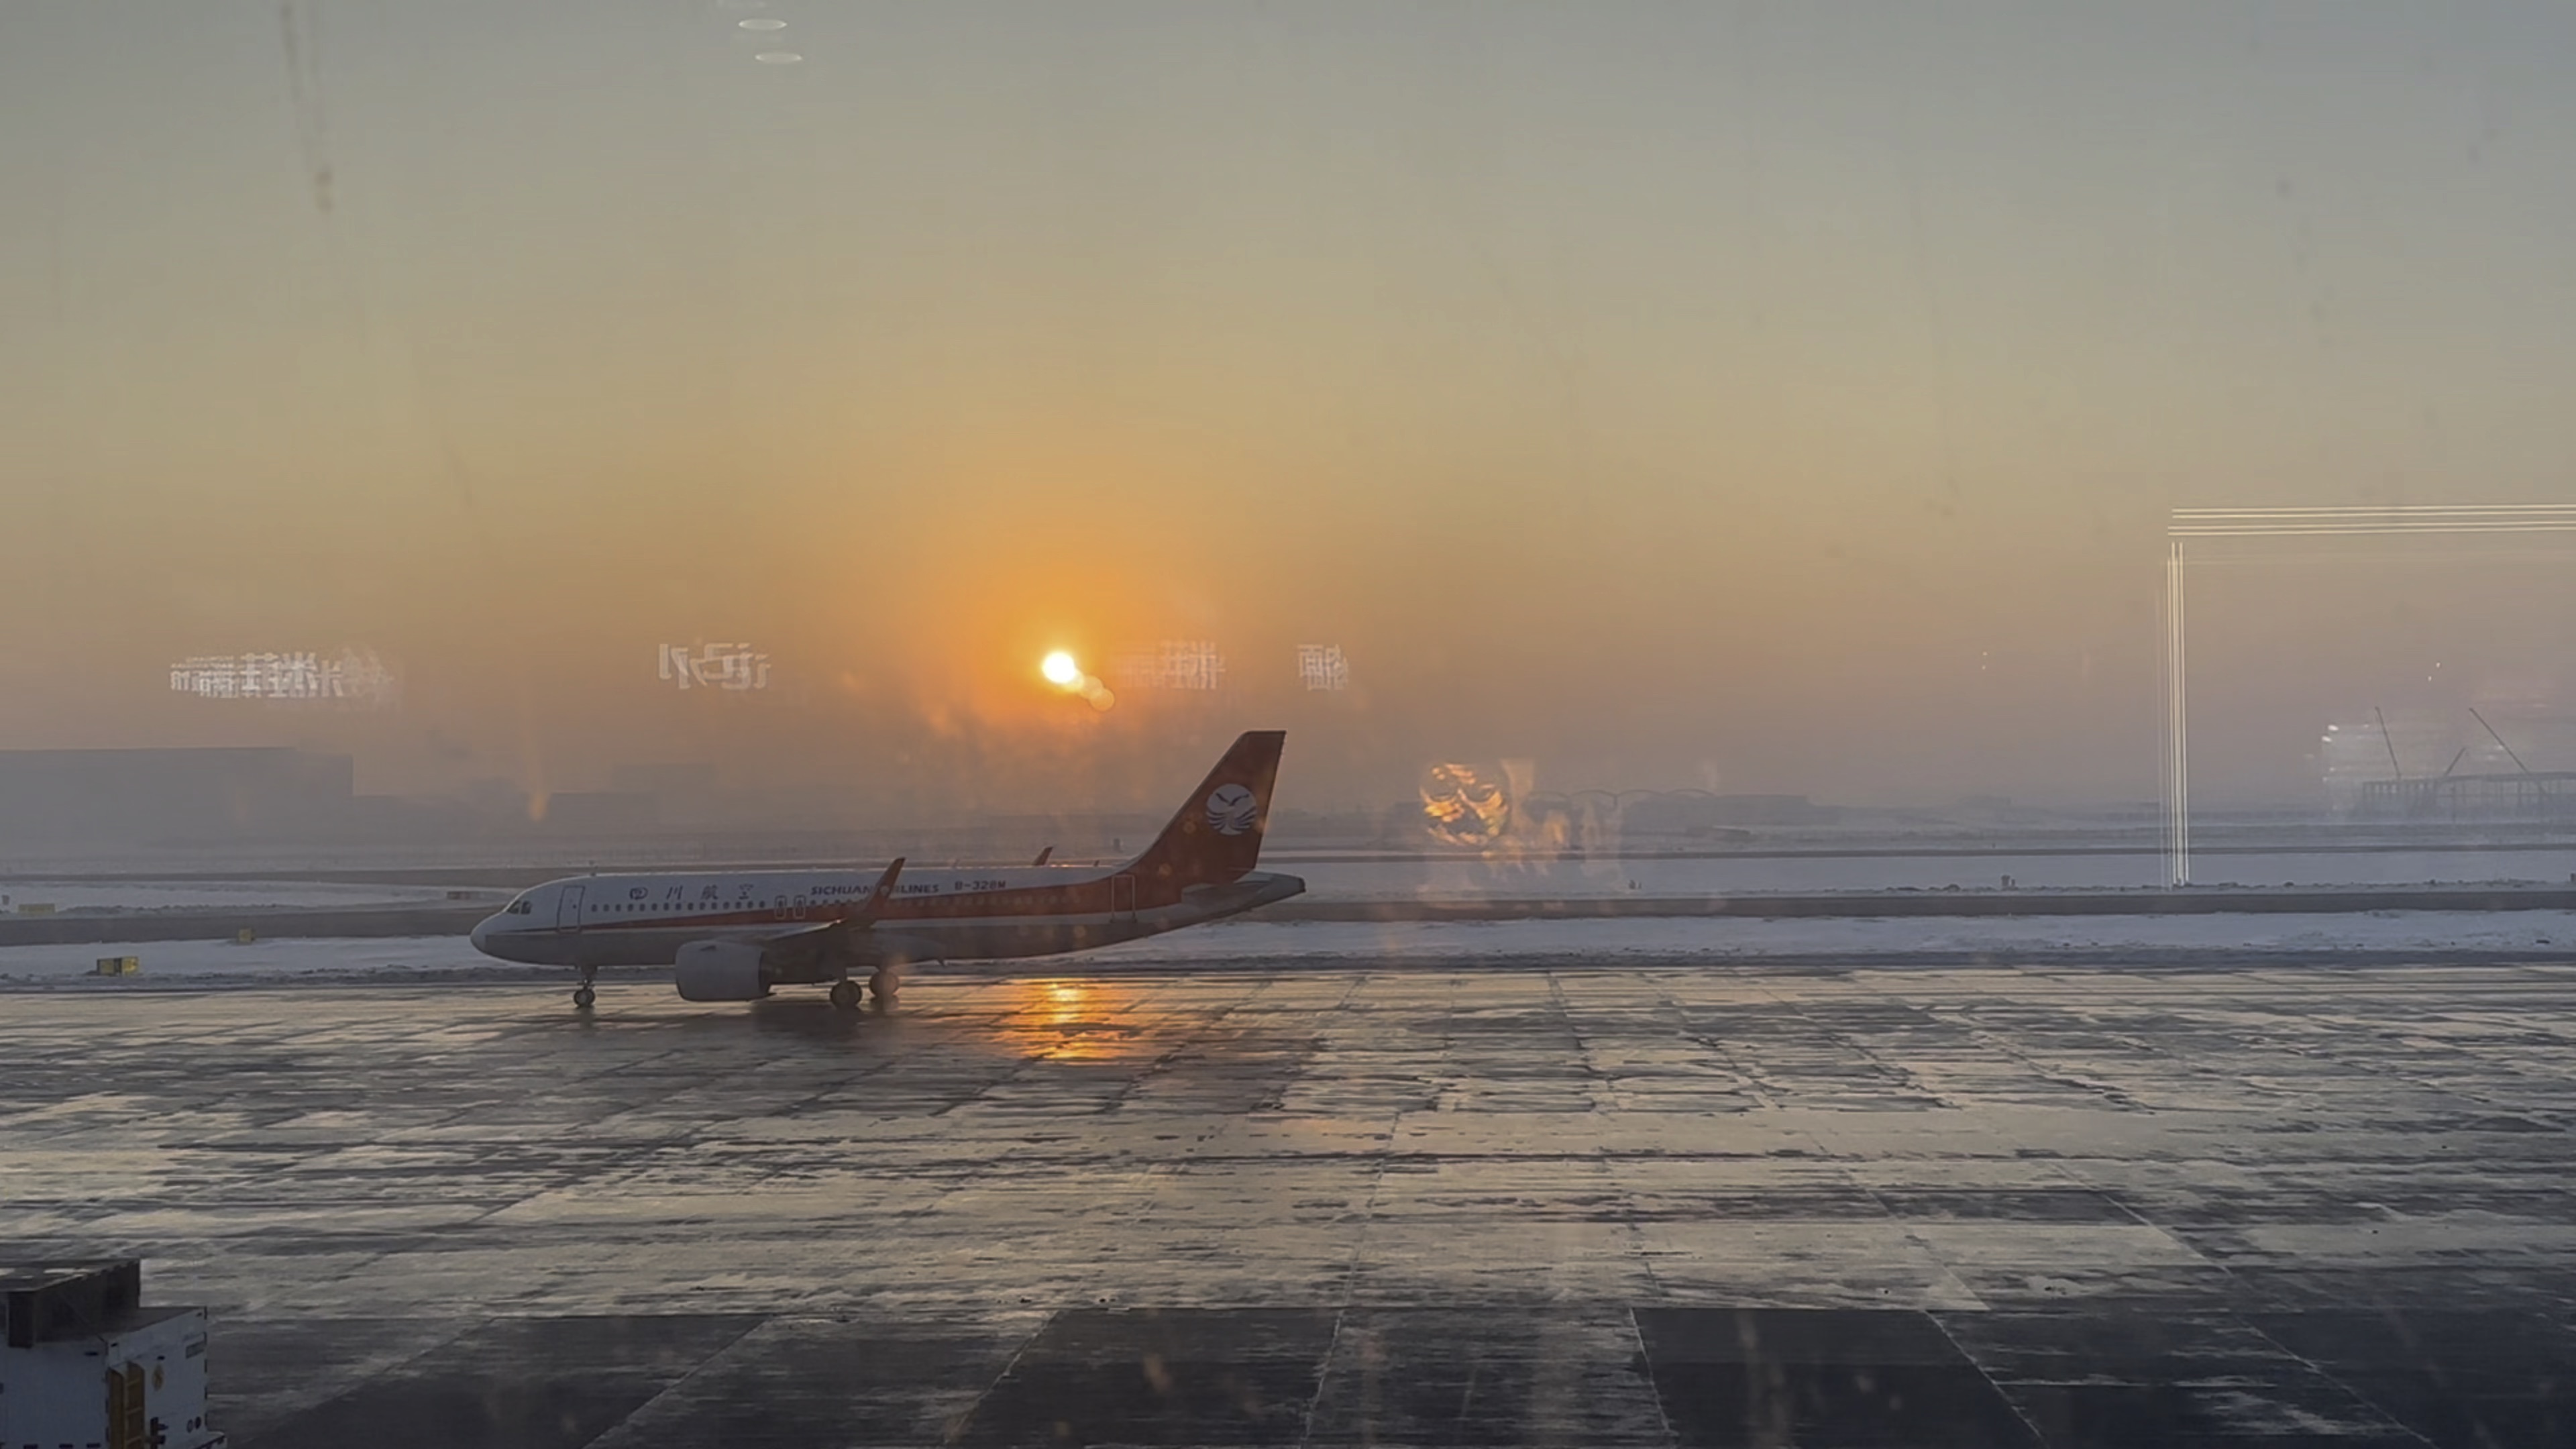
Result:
x=734 y=936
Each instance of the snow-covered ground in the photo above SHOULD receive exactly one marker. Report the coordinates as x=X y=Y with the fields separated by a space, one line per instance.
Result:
x=1756 y=875
x=217 y=963
x=2432 y=932
x=122 y=895
x=1437 y=878
x=2107 y=939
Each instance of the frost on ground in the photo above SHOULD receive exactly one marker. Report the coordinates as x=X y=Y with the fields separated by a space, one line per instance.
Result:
x=1357 y=943
x=1665 y=938
x=142 y=895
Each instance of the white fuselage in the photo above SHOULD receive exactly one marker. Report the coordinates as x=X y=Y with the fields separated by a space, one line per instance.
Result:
x=973 y=913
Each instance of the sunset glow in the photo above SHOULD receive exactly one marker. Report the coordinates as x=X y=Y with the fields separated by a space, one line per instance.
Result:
x=1767 y=438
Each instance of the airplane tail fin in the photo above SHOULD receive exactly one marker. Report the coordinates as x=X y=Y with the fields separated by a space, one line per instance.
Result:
x=1216 y=837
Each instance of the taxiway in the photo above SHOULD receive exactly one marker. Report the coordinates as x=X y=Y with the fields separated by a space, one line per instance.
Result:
x=1322 y=1204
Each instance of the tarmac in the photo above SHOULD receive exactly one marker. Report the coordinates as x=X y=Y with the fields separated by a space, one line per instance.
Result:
x=1559 y=1203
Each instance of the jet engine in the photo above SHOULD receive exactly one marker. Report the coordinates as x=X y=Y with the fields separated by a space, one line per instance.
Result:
x=721 y=971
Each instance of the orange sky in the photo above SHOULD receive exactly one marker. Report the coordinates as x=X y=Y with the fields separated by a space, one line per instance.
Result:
x=1671 y=395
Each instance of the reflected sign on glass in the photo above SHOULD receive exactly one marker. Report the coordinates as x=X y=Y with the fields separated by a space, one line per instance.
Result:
x=1323 y=666
x=352 y=676
x=736 y=667
x=1171 y=664
x=1462 y=805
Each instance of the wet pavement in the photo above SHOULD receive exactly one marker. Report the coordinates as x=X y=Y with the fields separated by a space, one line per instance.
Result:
x=1575 y=1206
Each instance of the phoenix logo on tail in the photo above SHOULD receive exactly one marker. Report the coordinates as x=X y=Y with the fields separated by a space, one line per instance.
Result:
x=1231 y=810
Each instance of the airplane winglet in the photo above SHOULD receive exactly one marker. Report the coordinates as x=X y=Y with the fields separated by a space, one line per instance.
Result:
x=877 y=898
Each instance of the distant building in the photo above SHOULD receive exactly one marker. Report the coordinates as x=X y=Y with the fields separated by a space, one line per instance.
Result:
x=1691 y=812
x=2424 y=764
x=172 y=797
x=598 y=812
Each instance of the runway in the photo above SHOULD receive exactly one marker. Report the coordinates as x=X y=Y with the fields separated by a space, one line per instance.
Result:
x=1326 y=1205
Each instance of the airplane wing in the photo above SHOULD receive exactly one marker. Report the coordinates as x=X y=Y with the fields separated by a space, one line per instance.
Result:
x=877 y=898
x=806 y=945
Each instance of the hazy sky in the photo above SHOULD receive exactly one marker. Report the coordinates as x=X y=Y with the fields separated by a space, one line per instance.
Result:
x=1779 y=397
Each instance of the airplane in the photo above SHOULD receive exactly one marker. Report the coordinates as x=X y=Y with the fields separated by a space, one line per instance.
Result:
x=734 y=935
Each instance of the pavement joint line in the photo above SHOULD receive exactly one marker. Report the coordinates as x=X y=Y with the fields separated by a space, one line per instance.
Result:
x=1323 y=1374
x=692 y=1372
x=1637 y=1333
x=1940 y=1323
x=2327 y=1375
x=957 y=1426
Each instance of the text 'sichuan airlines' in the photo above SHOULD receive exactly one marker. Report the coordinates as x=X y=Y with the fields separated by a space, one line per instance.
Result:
x=734 y=936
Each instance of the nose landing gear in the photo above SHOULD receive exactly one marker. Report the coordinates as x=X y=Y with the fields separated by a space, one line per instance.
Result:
x=583 y=997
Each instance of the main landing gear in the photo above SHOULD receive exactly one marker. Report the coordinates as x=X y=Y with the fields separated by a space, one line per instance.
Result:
x=883 y=983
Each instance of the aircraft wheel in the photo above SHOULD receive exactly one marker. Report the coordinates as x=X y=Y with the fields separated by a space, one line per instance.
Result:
x=583 y=998
x=882 y=986
x=845 y=994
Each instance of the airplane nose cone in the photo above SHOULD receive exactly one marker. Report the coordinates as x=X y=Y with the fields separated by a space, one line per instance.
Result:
x=481 y=930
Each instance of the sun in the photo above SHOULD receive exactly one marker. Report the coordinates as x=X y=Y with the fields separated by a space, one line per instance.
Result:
x=1061 y=670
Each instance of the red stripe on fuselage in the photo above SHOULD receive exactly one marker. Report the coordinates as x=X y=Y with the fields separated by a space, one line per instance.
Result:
x=1094 y=897
x=1086 y=898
